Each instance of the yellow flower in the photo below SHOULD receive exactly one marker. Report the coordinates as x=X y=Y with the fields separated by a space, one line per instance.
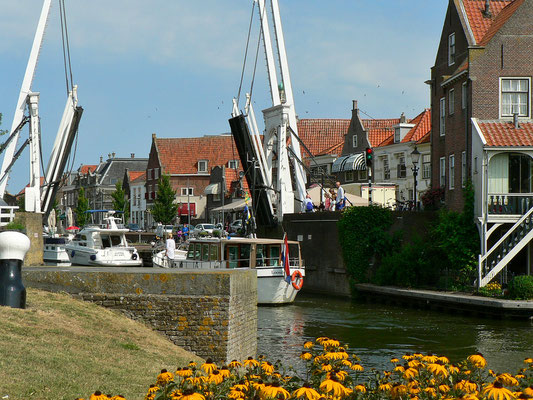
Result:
x=394 y=360
x=308 y=345
x=164 y=377
x=306 y=392
x=453 y=369
x=410 y=373
x=444 y=388
x=443 y=359
x=407 y=357
x=321 y=339
x=326 y=367
x=190 y=394
x=431 y=391
x=430 y=358
x=215 y=377
x=385 y=387
x=340 y=375
x=477 y=360
x=184 y=372
x=224 y=371
x=242 y=386
x=275 y=391
x=192 y=364
x=357 y=367
x=496 y=391
x=118 y=397
x=438 y=369
x=466 y=386
x=267 y=367
x=331 y=343
x=236 y=394
x=507 y=379
x=306 y=355
x=528 y=360
x=346 y=363
x=336 y=355
x=98 y=396
x=398 y=390
x=234 y=364
x=414 y=363
x=334 y=387
x=152 y=389
x=251 y=362
x=209 y=366
x=360 y=388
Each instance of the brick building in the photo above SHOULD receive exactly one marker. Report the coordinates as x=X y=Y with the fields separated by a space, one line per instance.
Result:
x=481 y=103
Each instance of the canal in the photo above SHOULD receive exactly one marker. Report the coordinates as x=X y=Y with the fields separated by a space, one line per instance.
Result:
x=377 y=332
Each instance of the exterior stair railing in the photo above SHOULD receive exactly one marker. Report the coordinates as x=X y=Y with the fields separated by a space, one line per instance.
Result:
x=514 y=240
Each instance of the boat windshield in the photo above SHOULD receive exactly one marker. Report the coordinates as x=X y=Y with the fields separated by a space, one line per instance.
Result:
x=111 y=241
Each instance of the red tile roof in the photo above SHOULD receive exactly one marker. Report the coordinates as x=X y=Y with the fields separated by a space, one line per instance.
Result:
x=23 y=191
x=84 y=169
x=479 y=24
x=504 y=134
x=137 y=176
x=422 y=126
x=181 y=155
x=425 y=139
x=322 y=136
x=500 y=20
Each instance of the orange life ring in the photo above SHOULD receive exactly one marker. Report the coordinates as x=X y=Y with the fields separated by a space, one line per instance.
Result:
x=297 y=280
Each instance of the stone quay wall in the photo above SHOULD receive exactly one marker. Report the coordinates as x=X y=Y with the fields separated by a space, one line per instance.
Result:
x=210 y=313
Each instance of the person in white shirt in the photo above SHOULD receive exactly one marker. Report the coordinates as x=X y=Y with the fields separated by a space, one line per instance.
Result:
x=339 y=205
x=171 y=247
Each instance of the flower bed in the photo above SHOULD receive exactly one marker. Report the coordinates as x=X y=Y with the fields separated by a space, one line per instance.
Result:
x=334 y=374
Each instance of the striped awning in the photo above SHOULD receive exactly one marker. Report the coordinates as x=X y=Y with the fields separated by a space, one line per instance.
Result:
x=213 y=188
x=351 y=162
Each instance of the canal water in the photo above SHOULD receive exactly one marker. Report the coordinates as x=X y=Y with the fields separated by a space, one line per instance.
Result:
x=377 y=332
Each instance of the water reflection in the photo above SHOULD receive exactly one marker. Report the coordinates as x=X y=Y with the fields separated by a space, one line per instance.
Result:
x=377 y=332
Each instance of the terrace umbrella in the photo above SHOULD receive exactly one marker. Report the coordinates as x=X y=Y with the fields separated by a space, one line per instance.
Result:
x=72 y=228
x=52 y=221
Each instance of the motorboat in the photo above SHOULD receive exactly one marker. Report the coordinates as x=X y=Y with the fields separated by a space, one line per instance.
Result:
x=103 y=245
x=278 y=263
x=160 y=260
x=54 y=251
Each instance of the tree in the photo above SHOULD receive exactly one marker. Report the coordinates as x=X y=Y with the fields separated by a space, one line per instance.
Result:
x=164 y=209
x=81 y=209
x=120 y=202
x=2 y=131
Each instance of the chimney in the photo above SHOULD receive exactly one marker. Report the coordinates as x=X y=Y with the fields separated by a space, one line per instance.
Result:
x=132 y=155
x=101 y=159
x=402 y=119
x=354 y=107
x=486 y=12
x=515 y=121
x=113 y=154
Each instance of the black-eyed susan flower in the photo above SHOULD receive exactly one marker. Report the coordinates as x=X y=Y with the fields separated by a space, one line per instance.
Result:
x=466 y=386
x=267 y=367
x=430 y=358
x=326 y=367
x=507 y=379
x=431 y=391
x=118 y=397
x=444 y=388
x=357 y=367
x=306 y=355
x=410 y=373
x=308 y=345
x=385 y=386
x=333 y=387
x=321 y=340
x=275 y=391
x=359 y=388
x=190 y=394
x=234 y=364
x=236 y=395
x=306 y=392
x=414 y=363
x=251 y=362
x=528 y=360
x=184 y=372
x=209 y=366
x=394 y=360
x=337 y=373
x=164 y=377
x=398 y=390
x=407 y=356
x=215 y=377
x=225 y=372
x=528 y=391
x=496 y=391
x=98 y=396
x=438 y=369
x=443 y=359
x=477 y=360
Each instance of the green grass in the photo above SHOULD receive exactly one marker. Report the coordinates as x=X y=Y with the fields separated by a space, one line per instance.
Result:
x=61 y=348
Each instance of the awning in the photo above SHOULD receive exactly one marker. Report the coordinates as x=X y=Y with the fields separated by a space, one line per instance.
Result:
x=235 y=206
x=213 y=188
x=351 y=162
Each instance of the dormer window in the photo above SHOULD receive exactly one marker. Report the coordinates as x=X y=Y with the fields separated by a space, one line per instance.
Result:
x=202 y=166
x=515 y=95
x=233 y=164
x=451 y=49
x=397 y=136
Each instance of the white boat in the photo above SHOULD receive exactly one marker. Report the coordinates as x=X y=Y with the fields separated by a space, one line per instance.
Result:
x=54 y=251
x=104 y=245
x=262 y=255
x=160 y=260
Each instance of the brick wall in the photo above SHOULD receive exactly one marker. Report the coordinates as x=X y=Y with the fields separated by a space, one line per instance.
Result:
x=210 y=313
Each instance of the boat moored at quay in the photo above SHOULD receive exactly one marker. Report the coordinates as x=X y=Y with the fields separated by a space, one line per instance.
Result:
x=278 y=263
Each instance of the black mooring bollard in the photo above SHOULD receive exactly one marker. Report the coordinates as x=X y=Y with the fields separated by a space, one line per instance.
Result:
x=13 y=248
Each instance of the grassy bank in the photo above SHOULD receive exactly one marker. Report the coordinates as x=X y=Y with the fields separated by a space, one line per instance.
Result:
x=61 y=348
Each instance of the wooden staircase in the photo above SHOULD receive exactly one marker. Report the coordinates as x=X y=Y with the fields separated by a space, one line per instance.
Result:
x=514 y=240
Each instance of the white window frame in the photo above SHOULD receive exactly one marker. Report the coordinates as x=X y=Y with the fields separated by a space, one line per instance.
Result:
x=464 y=95
x=397 y=135
x=528 y=97
x=442 y=116
x=451 y=166
x=463 y=169
x=203 y=162
x=386 y=168
x=233 y=164
x=156 y=173
x=451 y=101
x=442 y=172
x=426 y=166
x=184 y=191
x=401 y=167
x=149 y=173
x=451 y=48
x=354 y=141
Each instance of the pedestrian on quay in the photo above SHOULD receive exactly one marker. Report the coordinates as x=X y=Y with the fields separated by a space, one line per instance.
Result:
x=170 y=249
x=308 y=204
x=185 y=232
x=333 y=197
x=340 y=202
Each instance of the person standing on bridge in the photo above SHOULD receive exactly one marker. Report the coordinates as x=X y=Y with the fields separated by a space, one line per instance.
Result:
x=340 y=202
x=171 y=247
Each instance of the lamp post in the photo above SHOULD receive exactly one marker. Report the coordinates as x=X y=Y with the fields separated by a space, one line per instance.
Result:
x=415 y=157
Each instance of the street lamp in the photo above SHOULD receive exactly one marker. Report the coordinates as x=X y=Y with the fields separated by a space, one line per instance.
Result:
x=415 y=157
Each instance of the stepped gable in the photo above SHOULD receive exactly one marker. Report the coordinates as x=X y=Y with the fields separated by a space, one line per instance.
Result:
x=504 y=134
x=322 y=136
x=181 y=155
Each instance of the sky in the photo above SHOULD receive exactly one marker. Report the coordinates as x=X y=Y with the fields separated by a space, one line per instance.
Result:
x=172 y=67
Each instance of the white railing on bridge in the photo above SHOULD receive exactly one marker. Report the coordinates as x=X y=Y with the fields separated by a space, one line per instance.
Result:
x=7 y=214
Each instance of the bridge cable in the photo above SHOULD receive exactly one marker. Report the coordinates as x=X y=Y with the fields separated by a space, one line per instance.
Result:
x=246 y=53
